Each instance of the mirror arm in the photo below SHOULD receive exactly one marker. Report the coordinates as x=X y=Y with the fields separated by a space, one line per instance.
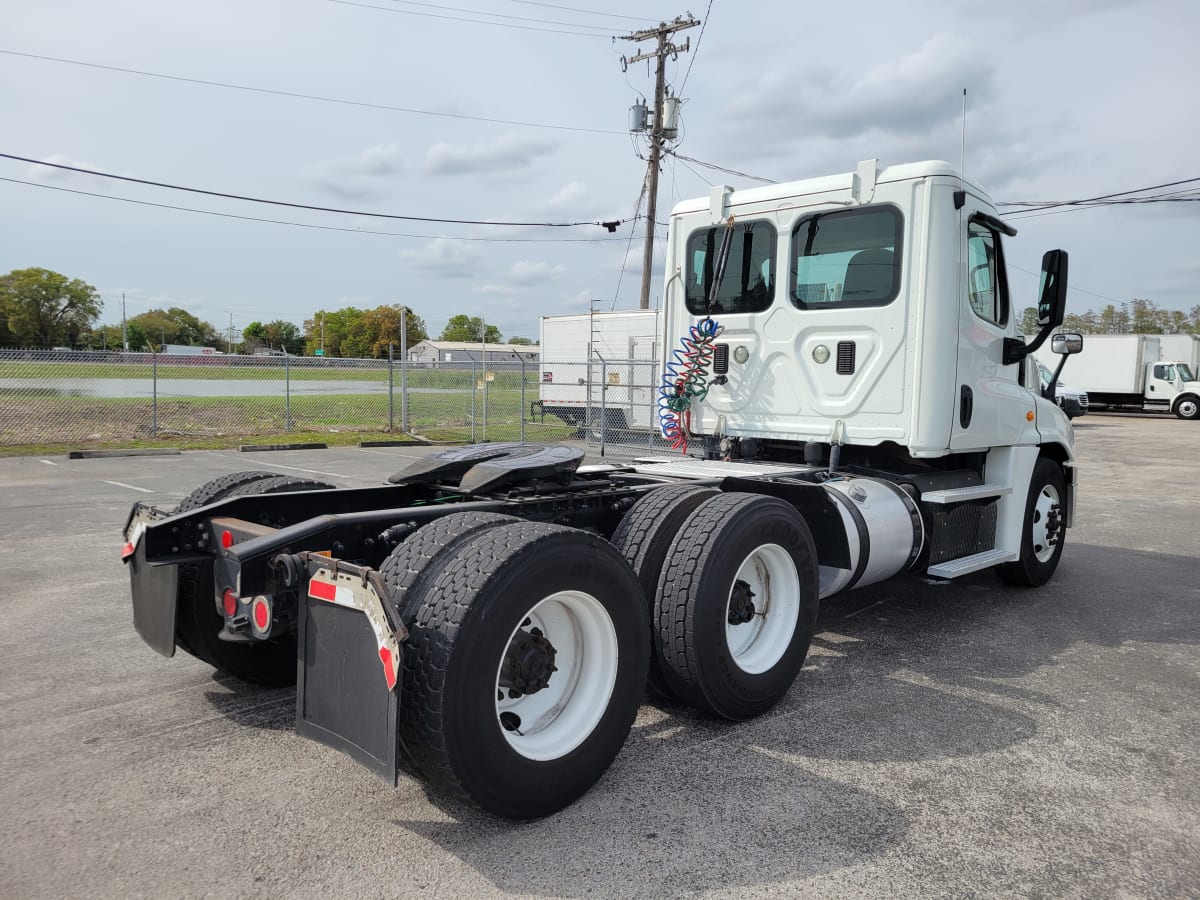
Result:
x=1049 y=391
x=1015 y=349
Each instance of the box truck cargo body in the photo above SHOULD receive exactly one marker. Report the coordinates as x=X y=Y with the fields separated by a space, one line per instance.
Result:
x=1132 y=372
x=604 y=362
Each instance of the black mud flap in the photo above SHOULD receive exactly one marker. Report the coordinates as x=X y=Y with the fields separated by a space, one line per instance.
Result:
x=342 y=698
x=154 y=592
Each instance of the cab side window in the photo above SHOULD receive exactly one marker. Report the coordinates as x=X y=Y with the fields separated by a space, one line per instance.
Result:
x=1164 y=373
x=987 y=286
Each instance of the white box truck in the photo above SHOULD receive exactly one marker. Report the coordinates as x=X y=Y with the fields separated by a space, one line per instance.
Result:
x=1184 y=348
x=1131 y=371
x=605 y=362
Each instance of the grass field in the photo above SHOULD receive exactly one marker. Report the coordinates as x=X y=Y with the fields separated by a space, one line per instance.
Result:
x=268 y=370
x=35 y=422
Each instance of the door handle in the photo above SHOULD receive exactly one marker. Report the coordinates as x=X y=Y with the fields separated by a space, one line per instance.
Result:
x=966 y=406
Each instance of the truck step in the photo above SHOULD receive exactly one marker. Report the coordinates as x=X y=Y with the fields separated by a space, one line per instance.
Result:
x=971 y=492
x=965 y=565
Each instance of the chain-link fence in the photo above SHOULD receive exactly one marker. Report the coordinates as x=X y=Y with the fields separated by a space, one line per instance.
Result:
x=76 y=398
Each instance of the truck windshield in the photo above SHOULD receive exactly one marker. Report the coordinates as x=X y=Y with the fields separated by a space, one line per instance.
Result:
x=749 y=282
x=1185 y=372
x=847 y=258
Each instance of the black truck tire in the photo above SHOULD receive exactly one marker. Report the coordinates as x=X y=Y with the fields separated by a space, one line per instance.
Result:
x=411 y=568
x=1044 y=531
x=1188 y=407
x=738 y=600
x=198 y=623
x=219 y=488
x=522 y=722
x=643 y=537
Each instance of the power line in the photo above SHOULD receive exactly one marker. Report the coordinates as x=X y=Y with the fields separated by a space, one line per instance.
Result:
x=1057 y=203
x=208 y=212
x=727 y=171
x=480 y=12
x=300 y=96
x=589 y=12
x=1069 y=286
x=611 y=226
x=413 y=12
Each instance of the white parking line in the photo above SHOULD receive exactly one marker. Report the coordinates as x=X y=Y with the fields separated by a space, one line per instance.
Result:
x=132 y=487
x=48 y=462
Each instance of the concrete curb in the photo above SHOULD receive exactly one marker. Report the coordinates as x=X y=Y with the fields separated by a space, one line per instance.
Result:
x=256 y=448
x=139 y=451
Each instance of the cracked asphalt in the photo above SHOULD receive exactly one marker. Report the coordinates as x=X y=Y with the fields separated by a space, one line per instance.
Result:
x=945 y=739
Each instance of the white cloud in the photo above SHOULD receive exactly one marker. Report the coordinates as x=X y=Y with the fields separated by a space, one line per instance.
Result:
x=363 y=176
x=529 y=272
x=444 y=257
x=509 y=152
x=570 y=196
x=502 y=290
x=48 y=173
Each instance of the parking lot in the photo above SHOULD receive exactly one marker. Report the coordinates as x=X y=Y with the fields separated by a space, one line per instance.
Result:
x=947 y=739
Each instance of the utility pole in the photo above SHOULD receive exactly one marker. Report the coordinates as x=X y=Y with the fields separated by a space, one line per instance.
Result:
x=124 y=333
x=660 y=130
x=229 y=340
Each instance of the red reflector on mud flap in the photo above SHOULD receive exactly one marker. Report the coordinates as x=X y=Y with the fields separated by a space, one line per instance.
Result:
x=319 y=590
x=389 y=669
x=229 y=601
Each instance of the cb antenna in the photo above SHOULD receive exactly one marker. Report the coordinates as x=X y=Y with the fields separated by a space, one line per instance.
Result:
x=960 y=196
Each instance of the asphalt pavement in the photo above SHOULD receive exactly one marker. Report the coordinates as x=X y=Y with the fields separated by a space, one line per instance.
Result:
x=945 y=739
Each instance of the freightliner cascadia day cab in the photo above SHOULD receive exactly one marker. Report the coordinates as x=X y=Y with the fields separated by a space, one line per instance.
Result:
x=847 y=399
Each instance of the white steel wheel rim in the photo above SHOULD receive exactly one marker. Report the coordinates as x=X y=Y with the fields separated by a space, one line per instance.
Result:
x=1188 y=408
x=759 y=644
x=560 y=717
x=1040 y=533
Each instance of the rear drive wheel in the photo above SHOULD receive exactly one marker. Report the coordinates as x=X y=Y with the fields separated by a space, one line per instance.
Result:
x=220 y=488
x=645 y=534
x=524 y=668
x=197 y=621
x=1188 y=407
x=1044 y=529
x=737 y=604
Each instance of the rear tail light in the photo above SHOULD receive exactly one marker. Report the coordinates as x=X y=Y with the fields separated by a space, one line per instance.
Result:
x=260 y=614
x=229 y=601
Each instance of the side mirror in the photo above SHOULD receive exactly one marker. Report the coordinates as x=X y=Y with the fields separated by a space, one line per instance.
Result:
x=1066 y=344
x=1052 y=295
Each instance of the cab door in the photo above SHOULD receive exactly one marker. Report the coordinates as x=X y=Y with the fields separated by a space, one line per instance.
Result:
x=991 y=404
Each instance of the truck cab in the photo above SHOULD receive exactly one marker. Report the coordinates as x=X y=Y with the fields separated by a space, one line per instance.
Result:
x=875 y=304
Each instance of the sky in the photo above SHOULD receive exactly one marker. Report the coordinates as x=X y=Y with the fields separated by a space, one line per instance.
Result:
x=518 y=112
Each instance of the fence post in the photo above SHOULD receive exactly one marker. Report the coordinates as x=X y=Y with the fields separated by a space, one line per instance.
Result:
x=603 y=401
x=154 y=389
x=474 y=383
x=523 y=401
x=287 y=391
x=391 y=392
x=403 y=385
x=485 y=398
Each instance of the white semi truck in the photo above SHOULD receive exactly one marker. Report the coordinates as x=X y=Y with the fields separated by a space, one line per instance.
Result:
x=855 y=404
x=1132 y=372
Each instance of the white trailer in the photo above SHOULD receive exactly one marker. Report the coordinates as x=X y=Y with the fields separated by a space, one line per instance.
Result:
x=1132 y=372
x=1183 y=348
x=605 y=363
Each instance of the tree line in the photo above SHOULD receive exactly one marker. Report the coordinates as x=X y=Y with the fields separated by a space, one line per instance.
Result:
x=1138 y=316
x=44 y=309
